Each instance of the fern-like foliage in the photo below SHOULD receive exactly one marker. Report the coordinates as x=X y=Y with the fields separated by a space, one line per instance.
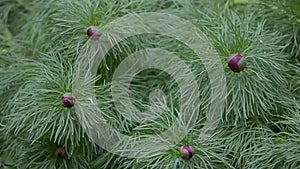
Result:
x=42 y=42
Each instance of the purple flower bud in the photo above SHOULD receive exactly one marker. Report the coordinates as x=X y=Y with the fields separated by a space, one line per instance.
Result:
x=68 y=100
x=187 y=152
x=94 y=32
x=237 y=62
x=61 y=153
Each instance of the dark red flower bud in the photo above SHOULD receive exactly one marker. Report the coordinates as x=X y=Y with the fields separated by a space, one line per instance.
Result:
x=187 y=152
x=68 y=100
x=237 y=62
x=61 y=153
x=94 y=32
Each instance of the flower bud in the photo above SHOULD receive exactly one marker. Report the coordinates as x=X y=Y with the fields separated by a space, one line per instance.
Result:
x=68 y=100
x=187 y=152
x=94 y=32
x=61 y=153
x=237 y=62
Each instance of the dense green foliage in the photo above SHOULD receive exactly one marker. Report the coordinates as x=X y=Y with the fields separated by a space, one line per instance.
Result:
x=40 y=41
